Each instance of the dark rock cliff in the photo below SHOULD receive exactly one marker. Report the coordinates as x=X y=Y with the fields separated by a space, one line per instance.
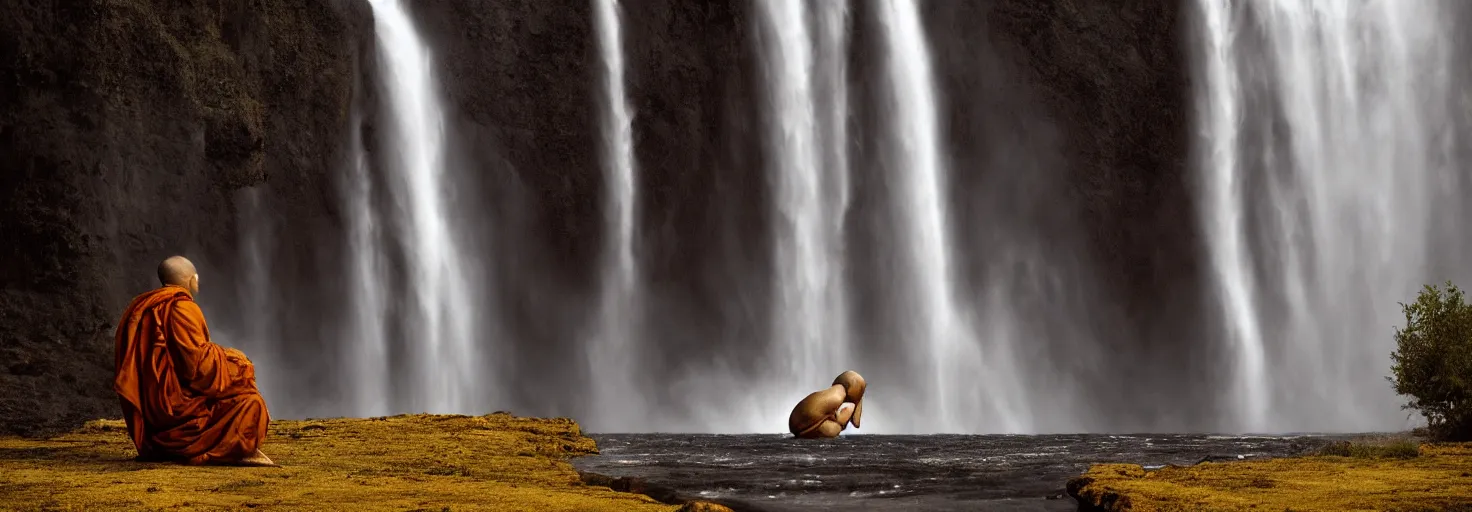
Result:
x=130 y=131
x=1112 y=80
x=126 y=128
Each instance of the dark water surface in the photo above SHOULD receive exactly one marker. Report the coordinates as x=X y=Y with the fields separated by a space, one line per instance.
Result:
x=882 y=472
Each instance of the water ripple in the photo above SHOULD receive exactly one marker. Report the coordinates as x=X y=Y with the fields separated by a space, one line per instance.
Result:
x=880 y=472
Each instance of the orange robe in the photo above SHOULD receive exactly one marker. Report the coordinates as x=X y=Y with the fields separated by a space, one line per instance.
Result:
x=184 y=398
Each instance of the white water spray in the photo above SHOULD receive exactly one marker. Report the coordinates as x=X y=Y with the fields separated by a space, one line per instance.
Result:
x=832 y=93
x=1221 y=111
x=971 y=389
x=1319 y=230
x=365 y=344
x=614 y=350
x=444 y=315
x=255 y=336
x=808 y=315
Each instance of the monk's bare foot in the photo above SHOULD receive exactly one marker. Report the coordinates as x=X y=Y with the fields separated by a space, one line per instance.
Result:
x=257 y=459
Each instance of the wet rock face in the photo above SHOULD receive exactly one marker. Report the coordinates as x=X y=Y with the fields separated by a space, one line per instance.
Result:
x=1113 y=79
x=523 y=84
x=126 y=127
x=1106 y=87
x=129 y=128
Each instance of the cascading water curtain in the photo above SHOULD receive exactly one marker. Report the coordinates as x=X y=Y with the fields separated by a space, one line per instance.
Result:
x=1321 y=151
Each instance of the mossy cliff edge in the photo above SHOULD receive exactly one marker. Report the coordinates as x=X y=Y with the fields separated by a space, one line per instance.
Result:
x=418 y=462
x=1438 y=478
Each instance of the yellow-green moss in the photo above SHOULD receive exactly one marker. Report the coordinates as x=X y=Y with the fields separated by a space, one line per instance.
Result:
x=419 y=462
x=1439 y=478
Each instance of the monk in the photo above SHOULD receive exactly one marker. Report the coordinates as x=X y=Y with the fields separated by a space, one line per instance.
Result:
x=825 y=413
x=185 y=399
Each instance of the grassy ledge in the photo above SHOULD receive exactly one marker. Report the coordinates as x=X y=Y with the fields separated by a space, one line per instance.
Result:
x=1388 y=474
x=416 y=462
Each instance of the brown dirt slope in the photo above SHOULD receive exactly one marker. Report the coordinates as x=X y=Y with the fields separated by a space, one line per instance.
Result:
x=418 y=462
x=1439 y=478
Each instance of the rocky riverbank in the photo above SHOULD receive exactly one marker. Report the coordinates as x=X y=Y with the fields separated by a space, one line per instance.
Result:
x=418 y=462
x=1348 y=477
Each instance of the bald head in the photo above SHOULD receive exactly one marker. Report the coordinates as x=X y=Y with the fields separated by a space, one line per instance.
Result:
x=179 y=271
x=853 y=383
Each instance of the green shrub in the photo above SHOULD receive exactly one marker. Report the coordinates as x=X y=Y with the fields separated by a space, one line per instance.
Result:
x=1432 y=363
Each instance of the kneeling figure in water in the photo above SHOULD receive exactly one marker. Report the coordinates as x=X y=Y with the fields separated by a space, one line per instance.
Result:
x=826 y=413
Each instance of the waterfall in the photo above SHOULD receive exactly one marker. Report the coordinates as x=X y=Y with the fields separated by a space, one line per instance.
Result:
x=366 y=346
x=832 y=92
x=808 y=307
x=1325 y=149
x=253 y=332
x=1221 y=111
x=614 y=345
x=970 y=385
x=442 y=322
